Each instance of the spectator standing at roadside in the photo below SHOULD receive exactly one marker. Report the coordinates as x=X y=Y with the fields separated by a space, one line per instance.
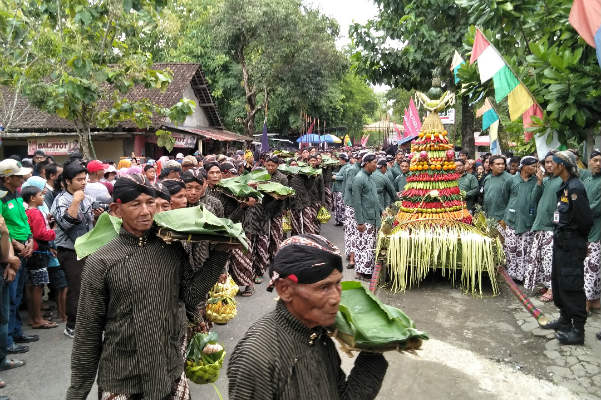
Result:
x=13 y=212
x=74 y=216
x=9 y=265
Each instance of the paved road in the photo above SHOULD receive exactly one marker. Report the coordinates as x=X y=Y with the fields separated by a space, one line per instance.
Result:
x=478 y=349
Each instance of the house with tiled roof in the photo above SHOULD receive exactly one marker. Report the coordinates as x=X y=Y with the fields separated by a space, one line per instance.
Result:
x=32 y=129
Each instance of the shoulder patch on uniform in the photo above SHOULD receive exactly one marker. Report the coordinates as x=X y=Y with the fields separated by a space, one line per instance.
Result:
x=574 y=196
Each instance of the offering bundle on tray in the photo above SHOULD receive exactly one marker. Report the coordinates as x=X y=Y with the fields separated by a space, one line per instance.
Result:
x=430 y=227
x=254 y=184
x=191 y=224
x=365 y=323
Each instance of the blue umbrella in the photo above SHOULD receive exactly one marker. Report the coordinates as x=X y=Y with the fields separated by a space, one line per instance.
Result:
x=330 y=139
x=407 y=139
x=308 y=138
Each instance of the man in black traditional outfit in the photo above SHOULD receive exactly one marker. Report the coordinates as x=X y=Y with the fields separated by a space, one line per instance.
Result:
x=136 y=292
x=288 y=354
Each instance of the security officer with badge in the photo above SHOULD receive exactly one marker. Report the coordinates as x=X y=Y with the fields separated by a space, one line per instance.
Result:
x=573 y=222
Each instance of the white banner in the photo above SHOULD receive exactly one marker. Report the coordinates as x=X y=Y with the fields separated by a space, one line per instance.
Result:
x=447 y=117
x=52 y=147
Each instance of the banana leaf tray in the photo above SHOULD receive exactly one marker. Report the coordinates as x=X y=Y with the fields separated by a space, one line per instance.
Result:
x=364 y=323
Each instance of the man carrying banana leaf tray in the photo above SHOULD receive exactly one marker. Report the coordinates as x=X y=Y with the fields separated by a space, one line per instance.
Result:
x=136 y=293
x=288 y=354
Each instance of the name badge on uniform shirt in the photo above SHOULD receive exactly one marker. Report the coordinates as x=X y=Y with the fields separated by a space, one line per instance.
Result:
x=556 y=217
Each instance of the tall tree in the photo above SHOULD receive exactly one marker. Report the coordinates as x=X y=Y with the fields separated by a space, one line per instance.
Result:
x=280 y=47
x=83 y=65
x=426 y=33
x=558 y=67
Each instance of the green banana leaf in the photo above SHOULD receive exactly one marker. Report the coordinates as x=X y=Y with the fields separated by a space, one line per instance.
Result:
x=366 y=323
x=106 y=229
x=328 y=161
x=191 y=220
x=289 y=169
x=238 y=185
x=305 y=170
x=200 y=221
x=275 y=187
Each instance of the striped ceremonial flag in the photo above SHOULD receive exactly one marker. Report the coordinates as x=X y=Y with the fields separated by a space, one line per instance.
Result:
x=488 y=114
x=492 y=65
x=457 y=62
x=585 y=17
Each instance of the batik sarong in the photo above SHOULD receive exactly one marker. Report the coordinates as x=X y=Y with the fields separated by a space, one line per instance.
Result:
x=328 y=198
x=276 y=235
x=297 y=223
x=241 y=265
x=310 y=224
x=338 y=208
x=364 y=245
x=349 y=225
x=540 y=260
x=516 y=252
x=592 y=280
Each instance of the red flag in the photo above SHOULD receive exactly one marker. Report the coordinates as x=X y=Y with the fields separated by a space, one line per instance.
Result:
x=535 y=110
x=414 y=118
x=407 y=125
x=480 y=43
x=399 y=134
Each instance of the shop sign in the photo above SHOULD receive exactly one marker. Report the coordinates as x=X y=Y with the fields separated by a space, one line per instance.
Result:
x=182 y=141
x=52 y=147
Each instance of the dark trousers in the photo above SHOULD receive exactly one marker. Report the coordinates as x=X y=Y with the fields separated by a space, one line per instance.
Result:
x=4 y=316
x=73 y=269
x=16 y=289
x=567 y=278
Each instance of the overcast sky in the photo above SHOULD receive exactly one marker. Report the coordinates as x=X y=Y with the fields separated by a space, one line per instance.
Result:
x=345 y=12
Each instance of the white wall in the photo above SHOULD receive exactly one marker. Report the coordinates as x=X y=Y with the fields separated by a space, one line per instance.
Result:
x=198 y=119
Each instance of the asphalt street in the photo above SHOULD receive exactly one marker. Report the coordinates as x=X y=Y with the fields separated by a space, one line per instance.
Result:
x=477 y=350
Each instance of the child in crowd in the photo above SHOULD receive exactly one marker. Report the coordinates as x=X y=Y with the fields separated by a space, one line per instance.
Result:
x=37 y=264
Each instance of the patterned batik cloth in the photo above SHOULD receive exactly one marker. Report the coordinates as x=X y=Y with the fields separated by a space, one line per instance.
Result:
x=329 y=200
x=297 y=222
x=516 y=251
x=310 y=224
x=349 y=226
x=364 y=246
x=338 y=208
x=267 y=245
x=592 y=279
x=241 y=265
x=276 y=235
x=540 y=260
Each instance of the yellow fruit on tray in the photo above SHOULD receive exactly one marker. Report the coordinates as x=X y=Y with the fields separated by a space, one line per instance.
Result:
x=221 y=309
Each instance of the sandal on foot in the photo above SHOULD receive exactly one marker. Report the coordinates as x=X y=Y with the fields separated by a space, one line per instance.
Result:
x=258 y=280
x=2 y=384
x=11 y=364
x=249 y=291
x=350 y=266
x=49 y=325
x=547 y=297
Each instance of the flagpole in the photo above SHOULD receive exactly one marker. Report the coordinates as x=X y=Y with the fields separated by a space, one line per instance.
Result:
x=508 y=66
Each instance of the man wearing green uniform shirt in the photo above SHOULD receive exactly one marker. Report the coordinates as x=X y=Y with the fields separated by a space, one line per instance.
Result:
x=389 y=165
x=496 y=190
x=520 y=214
x=338 y=188
x=13 y=211
x=396 y=167
x=592 y=281
x=349 y=212
x=468 y=184
x=366 y=220
x=541 y=252
x=386 y=192
x=401 y=180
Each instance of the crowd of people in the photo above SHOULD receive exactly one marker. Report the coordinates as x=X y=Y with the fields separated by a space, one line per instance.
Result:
x=548 y=212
